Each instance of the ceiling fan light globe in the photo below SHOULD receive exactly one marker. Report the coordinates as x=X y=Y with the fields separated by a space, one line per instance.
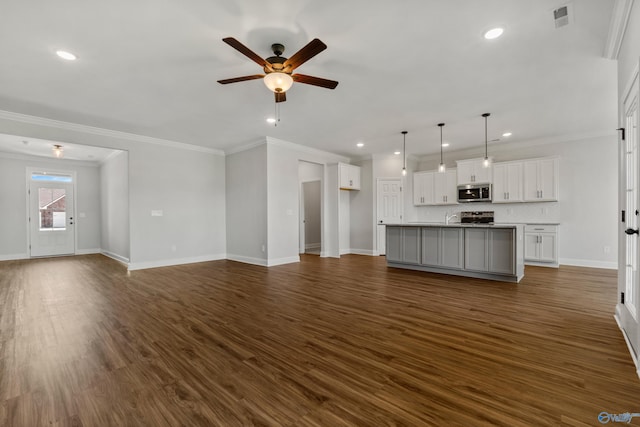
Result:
x=278 y=82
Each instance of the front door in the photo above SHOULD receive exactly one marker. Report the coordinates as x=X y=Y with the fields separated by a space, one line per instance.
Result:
x=51 y=218
x=629 y=308
x=389 y=196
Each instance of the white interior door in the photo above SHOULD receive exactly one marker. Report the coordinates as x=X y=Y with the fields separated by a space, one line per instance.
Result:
x=629 y=312
x=51 y=218
x=389 y=211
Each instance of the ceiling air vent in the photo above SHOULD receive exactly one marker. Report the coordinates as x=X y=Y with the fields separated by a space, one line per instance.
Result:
x=561 y=16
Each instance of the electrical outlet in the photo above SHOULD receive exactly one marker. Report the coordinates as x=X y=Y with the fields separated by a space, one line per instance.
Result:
x=173 y=248
x=606 y=249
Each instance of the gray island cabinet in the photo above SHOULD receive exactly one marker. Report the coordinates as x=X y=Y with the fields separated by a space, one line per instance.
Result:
x=494 y=252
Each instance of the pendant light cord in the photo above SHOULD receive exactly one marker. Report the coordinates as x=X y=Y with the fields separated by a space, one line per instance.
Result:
x=441 y=126
x=404 y=150
x=486 y=151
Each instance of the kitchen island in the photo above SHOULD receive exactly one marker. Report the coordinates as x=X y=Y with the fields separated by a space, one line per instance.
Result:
x=485 y=251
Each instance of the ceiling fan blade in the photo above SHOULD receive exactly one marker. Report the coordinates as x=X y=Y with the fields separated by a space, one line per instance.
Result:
x=312 y=48
x=241 y=79
x=315 y=81
x=280 y=96
x=246 y=52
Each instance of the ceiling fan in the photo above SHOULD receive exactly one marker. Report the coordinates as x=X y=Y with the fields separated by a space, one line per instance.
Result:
x=278 y=70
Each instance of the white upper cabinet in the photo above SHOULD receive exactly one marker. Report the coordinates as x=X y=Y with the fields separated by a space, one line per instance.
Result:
x=508 y=182
x=435 y=188
x=349 y=176
x=541 y=180
x=445 y=187
x=473 y=172
x=423 y=188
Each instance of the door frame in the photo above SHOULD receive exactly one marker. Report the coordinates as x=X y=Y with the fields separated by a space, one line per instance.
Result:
x=622 y=316
x=73 y=174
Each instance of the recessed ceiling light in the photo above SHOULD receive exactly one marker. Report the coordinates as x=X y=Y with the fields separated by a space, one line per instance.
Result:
x=493 y=33
x=271 y=120
x=397 y=153
x=507 y=134
x=66 y=55
x=360 y=144
x=445 y=144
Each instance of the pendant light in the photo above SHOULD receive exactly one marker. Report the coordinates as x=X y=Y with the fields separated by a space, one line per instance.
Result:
x=404 y=152
x=442 y=167
x=486 y=162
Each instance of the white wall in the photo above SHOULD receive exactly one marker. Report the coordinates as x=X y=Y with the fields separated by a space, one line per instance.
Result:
x=629 y=54
x=246 y=195
x=587 y=208
x=362 y=215
x=184 y=181
x=13 y=190
x=283 y=198
x=114 y=196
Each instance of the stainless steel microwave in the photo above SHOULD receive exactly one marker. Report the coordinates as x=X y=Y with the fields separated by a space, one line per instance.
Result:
x=474 y=193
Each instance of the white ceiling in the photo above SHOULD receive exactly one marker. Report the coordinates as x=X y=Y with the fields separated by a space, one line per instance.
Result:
x=150 y=67
x=44 y=148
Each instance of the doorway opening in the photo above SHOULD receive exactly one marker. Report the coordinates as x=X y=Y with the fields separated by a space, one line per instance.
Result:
x=310 y=177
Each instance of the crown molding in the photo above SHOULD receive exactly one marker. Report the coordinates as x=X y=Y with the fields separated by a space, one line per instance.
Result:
x=617 y=27
x=41 y=121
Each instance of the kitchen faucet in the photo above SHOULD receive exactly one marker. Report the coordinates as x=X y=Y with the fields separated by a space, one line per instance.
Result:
x=448 y=218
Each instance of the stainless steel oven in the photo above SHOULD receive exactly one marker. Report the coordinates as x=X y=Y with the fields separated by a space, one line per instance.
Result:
x=474 y=193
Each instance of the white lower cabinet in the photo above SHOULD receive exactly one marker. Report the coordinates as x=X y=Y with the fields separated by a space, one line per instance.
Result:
x=541 y=245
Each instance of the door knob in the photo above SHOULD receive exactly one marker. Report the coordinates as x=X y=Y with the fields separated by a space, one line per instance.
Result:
x=631 y=231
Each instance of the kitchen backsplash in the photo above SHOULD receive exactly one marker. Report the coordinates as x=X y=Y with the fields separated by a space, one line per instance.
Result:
x=504 y=213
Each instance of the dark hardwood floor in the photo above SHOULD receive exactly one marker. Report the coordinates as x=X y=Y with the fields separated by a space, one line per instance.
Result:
x=325 y=342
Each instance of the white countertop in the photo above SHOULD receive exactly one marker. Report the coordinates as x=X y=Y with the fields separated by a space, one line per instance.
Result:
x=454 y=224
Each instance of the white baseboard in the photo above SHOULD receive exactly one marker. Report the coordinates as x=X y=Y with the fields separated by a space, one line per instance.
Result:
x=175 y=261
x=263 y=262
x=612 y=265
x=312 y=246
x=345 y=251
x=115 y=256
x=247 y=260
x=11 y=257
x=369 y=252
x=88 y=251
x=280 y=261
x=626 y=339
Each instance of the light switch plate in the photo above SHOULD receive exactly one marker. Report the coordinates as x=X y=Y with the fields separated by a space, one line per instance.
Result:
x=156 y=213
